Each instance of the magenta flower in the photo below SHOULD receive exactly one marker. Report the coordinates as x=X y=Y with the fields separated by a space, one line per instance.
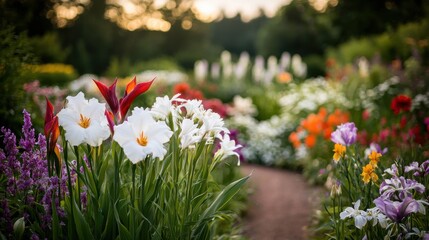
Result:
x=345 y=134
x=395 y=210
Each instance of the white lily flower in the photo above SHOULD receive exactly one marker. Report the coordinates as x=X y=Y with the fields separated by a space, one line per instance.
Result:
x=189 y=133
x=227 y=148
x=141 y=136
x=84 y=121
x=358 y=215
x=193 y=108
x=163 y=106
x=212 y=125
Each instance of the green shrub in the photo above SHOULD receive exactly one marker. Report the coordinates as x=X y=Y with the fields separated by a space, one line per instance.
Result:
x=47 y=48
x=15 y=51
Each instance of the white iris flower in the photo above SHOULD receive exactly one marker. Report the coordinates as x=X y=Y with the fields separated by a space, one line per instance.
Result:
x=359 y=216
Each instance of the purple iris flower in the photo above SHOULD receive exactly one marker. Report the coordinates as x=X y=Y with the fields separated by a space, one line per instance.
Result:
x=375 y=147
x=345 y=134
x=419 y=171
x=402 y=187
x=395 y=210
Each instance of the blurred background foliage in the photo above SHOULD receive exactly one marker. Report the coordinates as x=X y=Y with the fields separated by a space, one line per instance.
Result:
x=103 y=38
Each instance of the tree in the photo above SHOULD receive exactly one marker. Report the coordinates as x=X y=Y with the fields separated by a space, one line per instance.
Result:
x=297 y=28
x=237 y=36
x=357 y=18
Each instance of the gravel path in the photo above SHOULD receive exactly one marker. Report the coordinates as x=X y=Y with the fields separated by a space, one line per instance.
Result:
x=280 y=206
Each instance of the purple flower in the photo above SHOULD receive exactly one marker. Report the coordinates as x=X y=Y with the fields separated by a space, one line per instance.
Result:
x=28 y=139
x=345 y=134
x=34 y=237
x=28 y=184
x=376 y=147
x=419 y=171
x=400 y=188
x=396 y=210
x=393 y=170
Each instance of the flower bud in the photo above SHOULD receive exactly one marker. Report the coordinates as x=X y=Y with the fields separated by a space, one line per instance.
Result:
x=18 y=228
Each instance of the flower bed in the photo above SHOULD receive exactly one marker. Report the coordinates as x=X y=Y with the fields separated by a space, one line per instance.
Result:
x=97 y=173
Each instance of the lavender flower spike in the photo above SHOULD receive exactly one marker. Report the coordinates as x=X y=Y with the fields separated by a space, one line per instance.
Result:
x=397 y=211
x=345 y=134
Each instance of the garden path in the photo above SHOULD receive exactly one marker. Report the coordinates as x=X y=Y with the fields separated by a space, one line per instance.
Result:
x=280 y=204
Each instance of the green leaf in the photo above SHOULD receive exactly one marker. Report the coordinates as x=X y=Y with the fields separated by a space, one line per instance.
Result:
x=124 y=234
x=109 y=226
x=201 y=231
x=82 y=227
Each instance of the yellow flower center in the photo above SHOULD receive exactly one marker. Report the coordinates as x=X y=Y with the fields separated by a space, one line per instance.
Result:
x=84 y=121
x=142 y=140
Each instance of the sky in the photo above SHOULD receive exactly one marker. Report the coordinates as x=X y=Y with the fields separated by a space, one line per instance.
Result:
x=211 y=9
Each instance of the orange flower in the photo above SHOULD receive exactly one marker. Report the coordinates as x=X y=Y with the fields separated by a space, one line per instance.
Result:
x=294 y=139
x=310 y=140
x=374 y=157
x=339 y=151
x=337 y=118
x=313 y=123
x=322 y=113
x=369 y=174
x=284 y=77
x=320 y=124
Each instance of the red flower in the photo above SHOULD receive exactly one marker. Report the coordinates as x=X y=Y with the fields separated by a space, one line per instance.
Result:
x=186 y=92
x=216 y=105
x=401 y=103
x=52 y=130
x=366 y=114
x=120 y=108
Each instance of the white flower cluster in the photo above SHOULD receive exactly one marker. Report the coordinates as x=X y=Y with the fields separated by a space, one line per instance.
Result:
x=299 y=100
x=368 y=97
x=146 y=131
x=266 y=145
x=420 y=101
x=242 y=107
x=263 y=140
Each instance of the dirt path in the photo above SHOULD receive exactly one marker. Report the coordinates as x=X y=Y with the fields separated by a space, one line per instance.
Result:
x=280 y=206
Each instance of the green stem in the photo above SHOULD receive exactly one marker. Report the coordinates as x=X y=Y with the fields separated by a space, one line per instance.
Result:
x=133 y=196
x=368 y=195
x=188 y=191
x=72 y=221
x=76 y=152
